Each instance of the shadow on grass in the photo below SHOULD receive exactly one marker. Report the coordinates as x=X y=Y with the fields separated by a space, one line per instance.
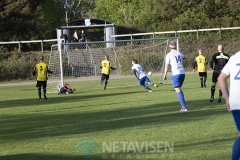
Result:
x=56 y=100
x=36 y=156
x=45 y=125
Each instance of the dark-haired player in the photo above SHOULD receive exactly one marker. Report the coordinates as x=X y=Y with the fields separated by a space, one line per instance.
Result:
x=106 y=66
x=42 y=69
x=201 y=63
x=141 y=76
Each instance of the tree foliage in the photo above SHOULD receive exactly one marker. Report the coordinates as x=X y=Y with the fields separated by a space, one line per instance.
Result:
x=31 y=19
x=18 y=19
x=163 y=15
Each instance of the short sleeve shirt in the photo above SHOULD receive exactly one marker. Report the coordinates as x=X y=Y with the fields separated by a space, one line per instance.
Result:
x=174 y=58
x=232 y=69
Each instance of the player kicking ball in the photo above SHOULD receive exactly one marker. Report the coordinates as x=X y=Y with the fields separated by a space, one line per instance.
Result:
x=141 y=76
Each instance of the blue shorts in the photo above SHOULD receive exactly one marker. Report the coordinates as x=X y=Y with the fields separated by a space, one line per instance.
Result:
x=143 y=80
x=236 y=117
x=177 y=80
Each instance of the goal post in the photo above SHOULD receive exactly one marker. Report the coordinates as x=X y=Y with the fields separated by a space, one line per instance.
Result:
x=78 y=64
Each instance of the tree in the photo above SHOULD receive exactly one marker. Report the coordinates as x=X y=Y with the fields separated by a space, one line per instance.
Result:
x=50 y=16
x=18 y=19
x=75 y=9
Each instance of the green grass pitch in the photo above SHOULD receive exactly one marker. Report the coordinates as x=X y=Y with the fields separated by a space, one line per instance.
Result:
x=51 y=129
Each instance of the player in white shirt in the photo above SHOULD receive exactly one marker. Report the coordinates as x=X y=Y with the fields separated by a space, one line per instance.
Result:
x=232 y=69
x=141 y=76
x=174 y=58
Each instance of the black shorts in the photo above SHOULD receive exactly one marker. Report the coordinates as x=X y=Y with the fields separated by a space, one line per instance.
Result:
x=202 y=74
x=41 y=83
x=104 y=76
x=215 y=76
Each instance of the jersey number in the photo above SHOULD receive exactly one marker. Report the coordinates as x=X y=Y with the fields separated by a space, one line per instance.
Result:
x=178 y=58
x=237 y=77
x=139 y=68
x=200 y=60
x=41 y=68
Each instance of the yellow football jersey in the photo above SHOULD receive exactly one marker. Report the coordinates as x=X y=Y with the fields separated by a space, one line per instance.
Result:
x=201 y=63
x=106 y=65
x=41 y=69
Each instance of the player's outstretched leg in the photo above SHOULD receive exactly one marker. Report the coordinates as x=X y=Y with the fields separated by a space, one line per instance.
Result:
x=212 y=93
x=147 y=88
x=153 y=84
x=39 y=94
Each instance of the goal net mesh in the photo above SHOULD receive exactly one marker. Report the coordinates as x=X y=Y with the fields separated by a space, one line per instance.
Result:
x=78 y=64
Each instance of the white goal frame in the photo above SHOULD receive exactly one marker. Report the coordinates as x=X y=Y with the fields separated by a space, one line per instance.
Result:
x=110 y=45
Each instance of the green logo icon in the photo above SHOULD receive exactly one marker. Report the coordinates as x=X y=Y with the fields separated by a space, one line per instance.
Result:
x=87 y=147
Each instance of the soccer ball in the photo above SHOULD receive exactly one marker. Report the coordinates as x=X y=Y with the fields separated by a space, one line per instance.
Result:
x=150 y=73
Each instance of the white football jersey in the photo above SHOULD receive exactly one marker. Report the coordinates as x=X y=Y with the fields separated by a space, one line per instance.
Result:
x=232 y=68
x=174 y=58
x=139 y=71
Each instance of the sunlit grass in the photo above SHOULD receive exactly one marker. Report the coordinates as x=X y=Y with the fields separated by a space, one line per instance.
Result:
x=50 y=129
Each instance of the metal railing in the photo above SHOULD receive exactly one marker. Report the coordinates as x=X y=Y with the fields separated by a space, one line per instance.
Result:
x=33 y=41
x=152 y=34
x=175 y=32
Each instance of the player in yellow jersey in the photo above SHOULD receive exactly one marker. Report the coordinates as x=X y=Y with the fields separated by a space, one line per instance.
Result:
x=42 y=69
x=106 y=66
x=201 y=63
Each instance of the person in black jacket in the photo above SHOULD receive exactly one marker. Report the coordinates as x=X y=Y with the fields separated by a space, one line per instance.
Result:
x=219 y=60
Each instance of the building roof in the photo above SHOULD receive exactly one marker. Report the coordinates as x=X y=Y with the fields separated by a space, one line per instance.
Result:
x=81 y=23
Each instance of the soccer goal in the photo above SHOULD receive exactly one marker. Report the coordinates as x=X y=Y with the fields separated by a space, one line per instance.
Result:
x=78 y=64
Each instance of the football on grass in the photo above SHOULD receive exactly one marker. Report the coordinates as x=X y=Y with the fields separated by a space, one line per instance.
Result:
x=150 y=73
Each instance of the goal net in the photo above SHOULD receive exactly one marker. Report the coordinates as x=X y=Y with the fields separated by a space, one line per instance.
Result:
x=78 y=64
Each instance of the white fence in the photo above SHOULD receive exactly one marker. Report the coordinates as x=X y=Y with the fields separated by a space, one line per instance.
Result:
x=152 y=34
x=176 y=32
x=33 y=41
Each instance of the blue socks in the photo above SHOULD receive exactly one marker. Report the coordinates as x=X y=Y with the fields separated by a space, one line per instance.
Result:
x=236 y=149
x=182 y=100
x=146 y=87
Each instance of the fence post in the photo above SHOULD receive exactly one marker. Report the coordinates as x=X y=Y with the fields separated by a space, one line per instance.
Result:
x=220 y=32
x=19 y=46
x=42 y=45
x=197 y=34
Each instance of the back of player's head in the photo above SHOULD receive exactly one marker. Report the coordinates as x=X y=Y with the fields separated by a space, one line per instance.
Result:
x=172 y=45
x=107 y=56
x=220 y=48
x=134 y=61
x=41 y=58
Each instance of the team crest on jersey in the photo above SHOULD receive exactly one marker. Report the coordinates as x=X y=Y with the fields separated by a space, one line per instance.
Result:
x=87 y=22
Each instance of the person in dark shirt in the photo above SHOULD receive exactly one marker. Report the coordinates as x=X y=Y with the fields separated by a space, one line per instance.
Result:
x=82 y=37
x=64 y=36
x=219 y=60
